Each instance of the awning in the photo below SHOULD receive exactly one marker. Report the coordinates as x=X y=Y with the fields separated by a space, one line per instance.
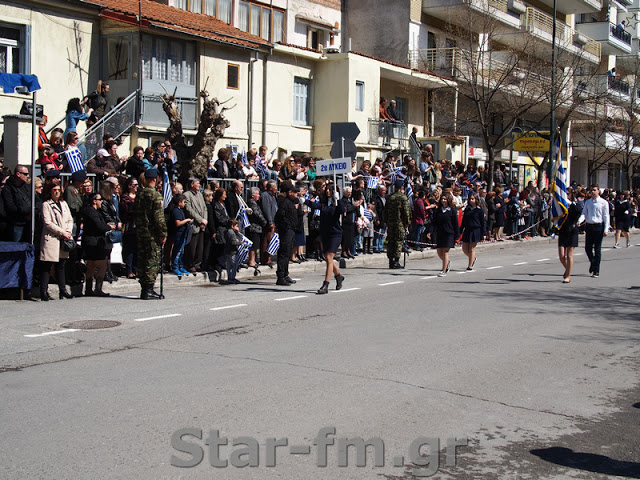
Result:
x=9 y=82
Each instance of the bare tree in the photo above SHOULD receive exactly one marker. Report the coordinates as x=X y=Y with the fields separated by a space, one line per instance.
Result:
x=193 y=160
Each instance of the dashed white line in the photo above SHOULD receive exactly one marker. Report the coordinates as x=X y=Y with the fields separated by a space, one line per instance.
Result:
x=229 y=306
x=57 y=332
x=346 y=290
x=493 y=268
x=390 y=283
x=428 y=277
x=577 y=254
x=520 y=263
x=289 y=298
x=463 y=272
x=158 y=317
x=542 y=260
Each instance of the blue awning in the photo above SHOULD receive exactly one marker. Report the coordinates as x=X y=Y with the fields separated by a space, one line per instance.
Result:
x=9 y=82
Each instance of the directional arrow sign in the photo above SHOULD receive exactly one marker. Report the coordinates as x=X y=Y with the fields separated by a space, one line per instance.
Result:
x=348 y=130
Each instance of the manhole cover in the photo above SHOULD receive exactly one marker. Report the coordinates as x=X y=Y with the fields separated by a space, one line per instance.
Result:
x=91 y=324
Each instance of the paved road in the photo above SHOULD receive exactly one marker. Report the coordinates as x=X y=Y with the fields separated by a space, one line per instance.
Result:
x=541 y=378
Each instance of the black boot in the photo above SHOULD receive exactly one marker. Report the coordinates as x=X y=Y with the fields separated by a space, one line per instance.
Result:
x=88 y=288
x=147 y=293
x=64 y=293
x=339 y=280
x=323 y=289
x=98 y=291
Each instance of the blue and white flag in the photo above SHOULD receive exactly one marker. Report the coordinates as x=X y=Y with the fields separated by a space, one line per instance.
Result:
x=372 y=182
x=74 y=158
x=409 y=191
x=245 y=160
x=274 y=244
x=271 y=157
x=243 y=219
x=367 y=214
x=167 y=196
x=261 y=170
x=243 y=250
x=394 y=174
x=560 y=203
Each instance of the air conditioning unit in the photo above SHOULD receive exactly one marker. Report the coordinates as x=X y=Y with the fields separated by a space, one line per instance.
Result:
x=332 y=50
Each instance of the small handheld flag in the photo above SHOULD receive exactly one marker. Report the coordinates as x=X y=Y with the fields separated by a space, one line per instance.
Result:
x=74 y=158
x=167 y=196
x=243 y=250
x=372 y=182
x=244 y=220
x=274 y=244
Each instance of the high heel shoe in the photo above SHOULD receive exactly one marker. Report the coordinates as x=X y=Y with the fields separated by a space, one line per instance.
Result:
x=65 y=294
x=323 y=289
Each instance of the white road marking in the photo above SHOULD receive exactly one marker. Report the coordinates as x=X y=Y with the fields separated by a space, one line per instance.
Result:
x=289 y=298
x=158 y=317
x=463 y=272
x=520 y=263
x=57 y=332
x=132 y=296
x=296 y=279
x=390 y=283
x=493 y=268
x=429 y=277
x=542 y=259
x=577 y=254
x=346 y=290
x=229 y=306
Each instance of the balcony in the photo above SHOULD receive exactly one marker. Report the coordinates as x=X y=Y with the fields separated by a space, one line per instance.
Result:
x=385 y=133
x=616 y=88
x=456 y=12
x=152 y=114
x=575 y=6
x=613 y=40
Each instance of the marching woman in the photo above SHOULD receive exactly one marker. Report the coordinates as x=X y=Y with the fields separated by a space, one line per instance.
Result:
x=58 y=224
x=568 y=236
x=445 y=222
x=331 y=209
x=473 y=228
x=622 y=215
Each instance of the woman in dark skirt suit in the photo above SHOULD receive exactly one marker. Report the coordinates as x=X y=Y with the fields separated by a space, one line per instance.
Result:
x=622 y=216
x=473 y=228
x=568 y=236
x=331 y=209
x=445 y=222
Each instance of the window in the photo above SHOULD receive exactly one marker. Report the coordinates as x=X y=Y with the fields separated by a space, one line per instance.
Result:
x=13 y=49
x=168 y=60
x=301 y=101
x=233 y=74
x=401 y=108
x=221 y=9
x=118 y=58
x=315 y=38
x=359 y=96
x=261 y=21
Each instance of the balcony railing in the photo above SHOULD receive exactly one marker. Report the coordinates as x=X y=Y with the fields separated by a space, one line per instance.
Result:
x=501 y=5
x=620 y=34
x=385 y=132
x=619 y=85
x=537 y=19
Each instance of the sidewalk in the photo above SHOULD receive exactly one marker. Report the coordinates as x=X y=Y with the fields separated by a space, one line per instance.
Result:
x=376 y=260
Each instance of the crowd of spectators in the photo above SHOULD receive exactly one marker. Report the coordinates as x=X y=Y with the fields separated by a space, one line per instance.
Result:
x=205 y=216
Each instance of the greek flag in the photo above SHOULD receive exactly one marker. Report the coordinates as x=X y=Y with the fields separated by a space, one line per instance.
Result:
x=261 y=170
x=234 y=152
x=560 y=203
x=409 y=191
x=167 y=196
x=274 y=244
x=271 y=157
x=372 y=183
x=243 y=250
x=367 y=214
x=244 y=220
x=394 y=174
x=74 y=158
x=245 y=160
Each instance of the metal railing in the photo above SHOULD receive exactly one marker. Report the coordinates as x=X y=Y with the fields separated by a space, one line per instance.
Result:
x=387 y=130
x=537 y=19
x=116 y=122
x=618 y=85
x=620 y=34
x=501 y=5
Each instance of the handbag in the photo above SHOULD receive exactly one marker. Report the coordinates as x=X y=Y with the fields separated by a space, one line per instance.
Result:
x=115 y=236
x=68 y=245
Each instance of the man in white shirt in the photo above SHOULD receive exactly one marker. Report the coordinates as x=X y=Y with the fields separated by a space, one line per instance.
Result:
x=596 y=216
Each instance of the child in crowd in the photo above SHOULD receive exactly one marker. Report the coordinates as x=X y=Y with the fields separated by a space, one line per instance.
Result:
x=232 y=240
x=180 y=226
x=367 y=231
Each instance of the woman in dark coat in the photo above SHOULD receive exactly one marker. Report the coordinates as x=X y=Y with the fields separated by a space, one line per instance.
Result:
x=445 y=222
x=491 y=213
x=348 y=224
x=127 y=215
x=473 y=228
x=568 y=236
x=110 y=210
x=331 y=210
x=254 y=230
x=222 y=225
x=94 y=243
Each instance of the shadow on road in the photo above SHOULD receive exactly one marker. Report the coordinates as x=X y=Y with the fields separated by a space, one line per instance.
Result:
x=589 y=462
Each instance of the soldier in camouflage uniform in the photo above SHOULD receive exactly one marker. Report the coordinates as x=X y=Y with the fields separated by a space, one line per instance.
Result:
x=151 y=233
x=397 y=216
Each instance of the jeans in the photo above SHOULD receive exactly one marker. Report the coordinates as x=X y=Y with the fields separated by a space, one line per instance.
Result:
x=418 y=233
x=177 y=255
x=17 y=232
x=232 y=266
x=593 y=244
x=129 y=251
x=378 y=238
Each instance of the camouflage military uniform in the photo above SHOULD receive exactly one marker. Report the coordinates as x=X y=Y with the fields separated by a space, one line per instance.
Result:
x=397 y=216
x=150 y=229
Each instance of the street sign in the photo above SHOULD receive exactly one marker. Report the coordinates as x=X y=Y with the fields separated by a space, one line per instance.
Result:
x=348 y=130
x=333 y=166
x=350 y=149
x=531 y=142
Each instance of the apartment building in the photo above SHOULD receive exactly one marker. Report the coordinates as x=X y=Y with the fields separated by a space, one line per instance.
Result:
x=467 y=39
x=281 y=65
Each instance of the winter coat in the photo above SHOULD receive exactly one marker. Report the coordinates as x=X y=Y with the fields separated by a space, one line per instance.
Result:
x=57 y=222
x=17 y=201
